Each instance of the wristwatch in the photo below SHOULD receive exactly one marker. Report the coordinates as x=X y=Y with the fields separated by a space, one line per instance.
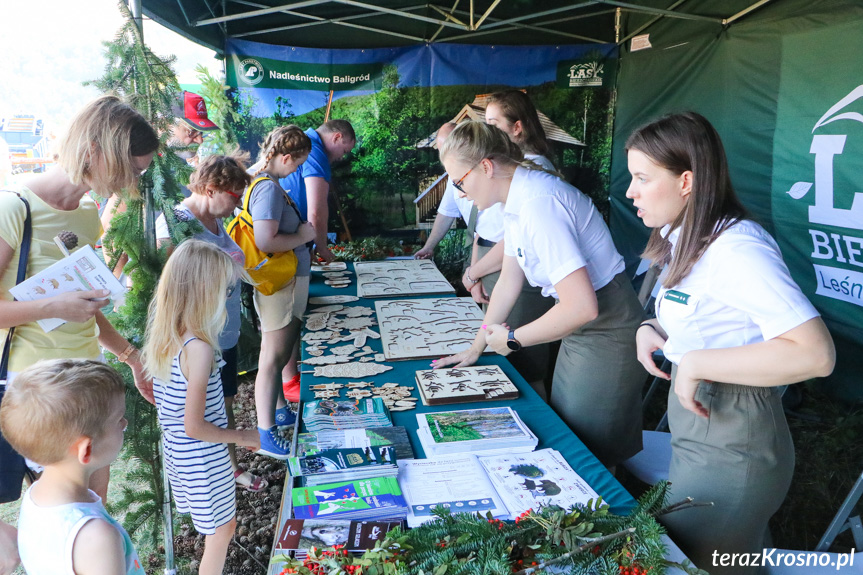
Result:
x=512 y=343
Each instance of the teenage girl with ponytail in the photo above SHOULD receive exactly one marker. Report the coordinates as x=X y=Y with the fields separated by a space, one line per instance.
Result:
x=278 y=227
x=555 y=238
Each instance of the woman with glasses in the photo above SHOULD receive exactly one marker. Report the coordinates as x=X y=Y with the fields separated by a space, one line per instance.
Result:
x=735 y=327
x=217 y=187
x=556 y=240
x=106 y=148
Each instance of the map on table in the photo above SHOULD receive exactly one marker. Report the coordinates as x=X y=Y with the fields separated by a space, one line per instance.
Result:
x=464 y=385
x=399 y=278
x=420 y=328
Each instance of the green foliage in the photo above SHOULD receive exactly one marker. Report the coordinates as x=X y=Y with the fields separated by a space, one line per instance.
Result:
x=367 y=249
x=146 y=81
x=220 y=111
x=451 y=256
x=584 y=539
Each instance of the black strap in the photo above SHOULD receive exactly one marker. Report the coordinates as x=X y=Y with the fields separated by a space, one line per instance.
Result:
x=23 y=256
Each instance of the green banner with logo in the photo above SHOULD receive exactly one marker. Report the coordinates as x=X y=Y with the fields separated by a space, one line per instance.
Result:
x=785 y=91
x=593 y=71
x=817 y=195
x=260 y=72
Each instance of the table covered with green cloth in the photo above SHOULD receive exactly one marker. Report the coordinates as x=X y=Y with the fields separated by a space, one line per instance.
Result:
x=551 y=431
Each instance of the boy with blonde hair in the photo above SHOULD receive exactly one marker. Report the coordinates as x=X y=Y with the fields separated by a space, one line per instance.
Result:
x=68 y=416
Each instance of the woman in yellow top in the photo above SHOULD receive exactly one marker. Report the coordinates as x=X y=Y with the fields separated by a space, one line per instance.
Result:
x=107 y=148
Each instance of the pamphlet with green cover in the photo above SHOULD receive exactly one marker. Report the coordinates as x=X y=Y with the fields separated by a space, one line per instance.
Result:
x=365 y=498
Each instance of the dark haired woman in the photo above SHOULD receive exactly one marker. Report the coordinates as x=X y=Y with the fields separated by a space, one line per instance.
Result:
x=729 y=312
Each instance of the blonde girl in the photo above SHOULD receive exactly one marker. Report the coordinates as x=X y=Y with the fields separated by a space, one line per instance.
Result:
x=278 y=227
x=186 y=317
x=557 y=240
x=217 y=187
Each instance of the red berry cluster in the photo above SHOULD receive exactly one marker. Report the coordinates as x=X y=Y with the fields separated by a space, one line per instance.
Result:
x=441 y=544
x=497 y=522
x=633 y=570
x=524 y=515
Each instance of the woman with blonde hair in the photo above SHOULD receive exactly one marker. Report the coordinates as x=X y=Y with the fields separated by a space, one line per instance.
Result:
x=106 y=148
x=735 y=327
x=217 y=187
x=556 y=240
x=186 y=317
x=278 y=228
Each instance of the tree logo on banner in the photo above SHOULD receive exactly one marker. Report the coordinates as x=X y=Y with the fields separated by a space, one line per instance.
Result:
x=828 y=246
x=585 y=74
x=251 y=71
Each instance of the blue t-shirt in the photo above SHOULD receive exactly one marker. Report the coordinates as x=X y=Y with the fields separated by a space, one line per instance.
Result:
x=316 y=166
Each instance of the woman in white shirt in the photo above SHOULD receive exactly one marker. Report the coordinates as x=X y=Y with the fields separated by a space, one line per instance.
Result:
x=556 y=239
x=728 y=311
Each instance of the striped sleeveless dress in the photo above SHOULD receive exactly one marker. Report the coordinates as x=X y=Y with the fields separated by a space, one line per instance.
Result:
x=199 y=472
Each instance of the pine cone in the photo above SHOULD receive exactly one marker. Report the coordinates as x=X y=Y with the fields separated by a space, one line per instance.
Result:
x=69 y=239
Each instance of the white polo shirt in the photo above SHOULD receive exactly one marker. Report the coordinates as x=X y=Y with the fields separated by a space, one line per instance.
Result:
x=739 y=292
x=552 y=229
x=489 y=223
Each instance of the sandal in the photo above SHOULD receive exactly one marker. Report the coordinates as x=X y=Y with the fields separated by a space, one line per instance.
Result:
x=257 y=484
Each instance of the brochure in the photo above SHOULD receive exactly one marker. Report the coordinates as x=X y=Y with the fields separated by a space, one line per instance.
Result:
x=533 y=480
x=397 y=437
x=458 y=483
x=478 y=431
x=83 y=270
x=331 y=465
x=299 y=535
x=376 y=498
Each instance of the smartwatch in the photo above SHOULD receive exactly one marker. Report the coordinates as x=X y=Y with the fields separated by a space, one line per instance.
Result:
x=512 y=343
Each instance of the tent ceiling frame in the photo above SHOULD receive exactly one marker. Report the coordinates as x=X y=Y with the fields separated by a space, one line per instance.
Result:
x=539 y=27
x=448 y=18
x=318 y=20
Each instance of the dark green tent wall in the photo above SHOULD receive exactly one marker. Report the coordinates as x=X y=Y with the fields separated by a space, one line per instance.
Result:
x=784 y=88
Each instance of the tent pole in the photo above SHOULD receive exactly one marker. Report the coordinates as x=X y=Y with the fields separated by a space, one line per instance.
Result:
x=650 y=23
x=617 y=25
x=744 y=12
x=487 y=12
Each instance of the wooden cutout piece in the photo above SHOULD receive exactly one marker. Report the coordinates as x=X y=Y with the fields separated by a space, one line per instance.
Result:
x=326 y=394
x=359 y=393
x=350 y=370
x=331 y=299
x=326 y=386
x=326 y=360
x=328 y=309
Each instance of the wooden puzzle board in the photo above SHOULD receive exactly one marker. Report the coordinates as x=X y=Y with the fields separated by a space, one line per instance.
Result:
x=464 y=384
x=400 y=278
x=421 y=328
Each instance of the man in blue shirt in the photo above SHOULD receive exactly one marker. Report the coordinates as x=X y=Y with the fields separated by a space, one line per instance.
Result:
x=309 y=186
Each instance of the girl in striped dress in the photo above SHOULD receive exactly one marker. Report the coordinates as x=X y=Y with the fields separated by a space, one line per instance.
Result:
x=181 y=353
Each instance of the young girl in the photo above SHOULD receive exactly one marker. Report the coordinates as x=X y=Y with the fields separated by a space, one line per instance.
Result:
x=278 y=227
x=557 y=240
x=186 y=317
x=217 y=187
x=729 y=312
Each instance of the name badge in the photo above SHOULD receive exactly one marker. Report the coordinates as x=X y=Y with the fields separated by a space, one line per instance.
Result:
x=677 y=296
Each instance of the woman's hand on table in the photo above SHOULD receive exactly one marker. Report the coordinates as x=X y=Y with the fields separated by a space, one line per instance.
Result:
x=496 y=336
x=464 y=358
x=648 y=341
x=685 y=386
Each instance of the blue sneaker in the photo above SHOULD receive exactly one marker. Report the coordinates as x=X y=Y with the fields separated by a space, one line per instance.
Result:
x=285 y=417
x=272 y=444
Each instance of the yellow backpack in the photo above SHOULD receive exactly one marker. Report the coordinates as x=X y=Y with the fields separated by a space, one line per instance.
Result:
x=271 y=271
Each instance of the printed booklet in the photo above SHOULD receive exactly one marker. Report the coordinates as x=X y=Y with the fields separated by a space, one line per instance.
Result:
x=345 y=464
x=397 y=437
x=489 y=431
x=377 y=498
x=533 y=480
x=300 y=535
x=83 y=270
x=457 y=482
x=332 y=414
